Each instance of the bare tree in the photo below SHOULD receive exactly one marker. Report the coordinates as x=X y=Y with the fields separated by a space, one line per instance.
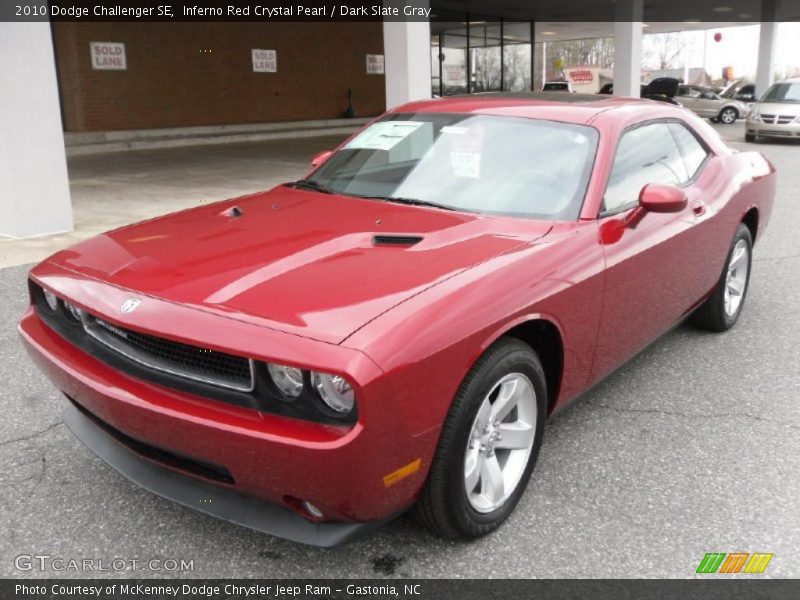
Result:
x=517 y=67
x=486 y=69
x=661 y=51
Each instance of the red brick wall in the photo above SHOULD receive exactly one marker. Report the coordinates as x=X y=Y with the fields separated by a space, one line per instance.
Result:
x=170 y=82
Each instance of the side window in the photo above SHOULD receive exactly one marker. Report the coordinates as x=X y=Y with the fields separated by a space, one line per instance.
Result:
x=647 y=154
x=692 y=150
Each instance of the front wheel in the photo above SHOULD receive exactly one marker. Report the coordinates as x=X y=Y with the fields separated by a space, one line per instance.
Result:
x=488 y=445
x=728 y=115
x=722 y=308
x=749 y=137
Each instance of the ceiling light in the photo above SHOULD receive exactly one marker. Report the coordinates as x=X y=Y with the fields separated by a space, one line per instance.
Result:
x=722 y=9
x=548 y=33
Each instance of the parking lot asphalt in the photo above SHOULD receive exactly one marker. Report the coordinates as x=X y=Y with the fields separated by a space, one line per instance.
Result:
x=692 y=447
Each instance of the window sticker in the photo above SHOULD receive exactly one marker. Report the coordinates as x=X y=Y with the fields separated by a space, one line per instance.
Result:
x=454 y=129
x=465 y=143
x=466 y=164
x=384 y=135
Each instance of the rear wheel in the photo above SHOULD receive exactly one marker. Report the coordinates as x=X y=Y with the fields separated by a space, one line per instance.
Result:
x=722 y=308
x=728 y=115
x=489 y=444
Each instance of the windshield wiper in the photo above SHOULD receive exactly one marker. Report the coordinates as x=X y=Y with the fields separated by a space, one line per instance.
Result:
x=412 y=201
x=307 y=184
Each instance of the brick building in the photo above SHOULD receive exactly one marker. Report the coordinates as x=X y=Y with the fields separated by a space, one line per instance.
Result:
x=195 y=74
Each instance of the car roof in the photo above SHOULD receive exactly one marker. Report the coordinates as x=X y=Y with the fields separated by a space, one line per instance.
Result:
x=558 y=106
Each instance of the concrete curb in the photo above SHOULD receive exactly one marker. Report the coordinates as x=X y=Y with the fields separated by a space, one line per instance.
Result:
x=78 y=144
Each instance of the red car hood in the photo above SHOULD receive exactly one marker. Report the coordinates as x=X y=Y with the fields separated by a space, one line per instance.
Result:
x=294 y=260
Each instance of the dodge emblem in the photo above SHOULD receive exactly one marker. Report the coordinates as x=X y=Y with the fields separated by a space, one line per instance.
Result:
x=129 y=305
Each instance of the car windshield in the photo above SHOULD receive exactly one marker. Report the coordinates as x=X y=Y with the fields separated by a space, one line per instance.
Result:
x=475 y=163
x=782 y=92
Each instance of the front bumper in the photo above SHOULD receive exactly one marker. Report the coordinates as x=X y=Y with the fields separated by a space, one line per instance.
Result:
x=270 y=458
x=205 y=497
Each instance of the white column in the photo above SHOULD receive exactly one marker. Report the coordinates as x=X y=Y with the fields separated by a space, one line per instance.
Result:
x=34 y=190
x=628 y=48
x=407 y=56
x=767 y=40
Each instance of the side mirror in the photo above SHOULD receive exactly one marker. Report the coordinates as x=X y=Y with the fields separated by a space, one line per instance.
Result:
x=659 y=198
x=321 y=158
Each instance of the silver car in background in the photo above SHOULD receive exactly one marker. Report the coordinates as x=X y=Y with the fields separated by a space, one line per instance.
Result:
x=707 y=103
x=777 y=113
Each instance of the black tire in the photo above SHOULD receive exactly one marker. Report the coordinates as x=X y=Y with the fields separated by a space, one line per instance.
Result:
x=729 y=113
x=750 y=137
x=444 y=507
x=714 y=119
x=711 y=315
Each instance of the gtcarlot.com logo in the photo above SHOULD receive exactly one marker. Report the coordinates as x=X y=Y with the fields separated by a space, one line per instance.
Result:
x=734 y=562
x=45 y=562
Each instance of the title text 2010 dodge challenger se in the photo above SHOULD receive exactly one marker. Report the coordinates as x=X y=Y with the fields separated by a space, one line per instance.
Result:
x=393 y=330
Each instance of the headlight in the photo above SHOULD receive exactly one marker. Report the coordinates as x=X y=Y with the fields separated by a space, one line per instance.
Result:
x=73 y=311
x=50 y=299
x=289 y=380
x=335 y=391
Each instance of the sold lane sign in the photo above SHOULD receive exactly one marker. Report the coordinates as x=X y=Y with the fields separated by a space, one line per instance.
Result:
x=265 y=61
x=375 y=64
x=108 y=56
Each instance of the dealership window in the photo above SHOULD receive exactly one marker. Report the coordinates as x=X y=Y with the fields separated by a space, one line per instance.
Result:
x=471 y=54
x=517 y=70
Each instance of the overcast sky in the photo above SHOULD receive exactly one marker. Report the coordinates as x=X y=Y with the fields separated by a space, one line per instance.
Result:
x=739 y=49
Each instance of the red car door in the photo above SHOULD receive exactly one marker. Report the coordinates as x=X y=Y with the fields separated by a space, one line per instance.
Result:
x=653 y=274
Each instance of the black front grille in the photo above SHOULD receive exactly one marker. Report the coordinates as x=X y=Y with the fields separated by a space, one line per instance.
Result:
x=200 y=371
x=192 y=362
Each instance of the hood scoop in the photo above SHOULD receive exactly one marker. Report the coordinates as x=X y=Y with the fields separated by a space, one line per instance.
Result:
x=234 y=212
x=396 y=240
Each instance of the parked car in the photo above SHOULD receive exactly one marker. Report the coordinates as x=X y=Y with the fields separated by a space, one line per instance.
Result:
x=706 y=103
x=661 y=90
x=740 y=90
x=557 y=86
x=394 y=329
x=777 y=113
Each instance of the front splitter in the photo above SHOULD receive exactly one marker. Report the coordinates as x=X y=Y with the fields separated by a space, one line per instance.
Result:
x=208 y=498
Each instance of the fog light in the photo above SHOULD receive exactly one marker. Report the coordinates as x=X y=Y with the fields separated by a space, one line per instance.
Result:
x=312 y=510
x=50 y=299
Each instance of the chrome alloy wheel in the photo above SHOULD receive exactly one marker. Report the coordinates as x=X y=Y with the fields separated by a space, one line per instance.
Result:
x=728 y=116
x=736 y=279
x=500 y=442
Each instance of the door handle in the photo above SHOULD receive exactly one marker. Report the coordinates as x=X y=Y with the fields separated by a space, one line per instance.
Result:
x=699 y=208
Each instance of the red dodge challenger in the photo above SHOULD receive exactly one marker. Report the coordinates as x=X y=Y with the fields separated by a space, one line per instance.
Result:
x=393 y=330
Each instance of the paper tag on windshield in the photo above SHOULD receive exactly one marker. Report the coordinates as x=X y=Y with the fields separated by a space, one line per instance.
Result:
x=384 y=135
x=466 y=164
